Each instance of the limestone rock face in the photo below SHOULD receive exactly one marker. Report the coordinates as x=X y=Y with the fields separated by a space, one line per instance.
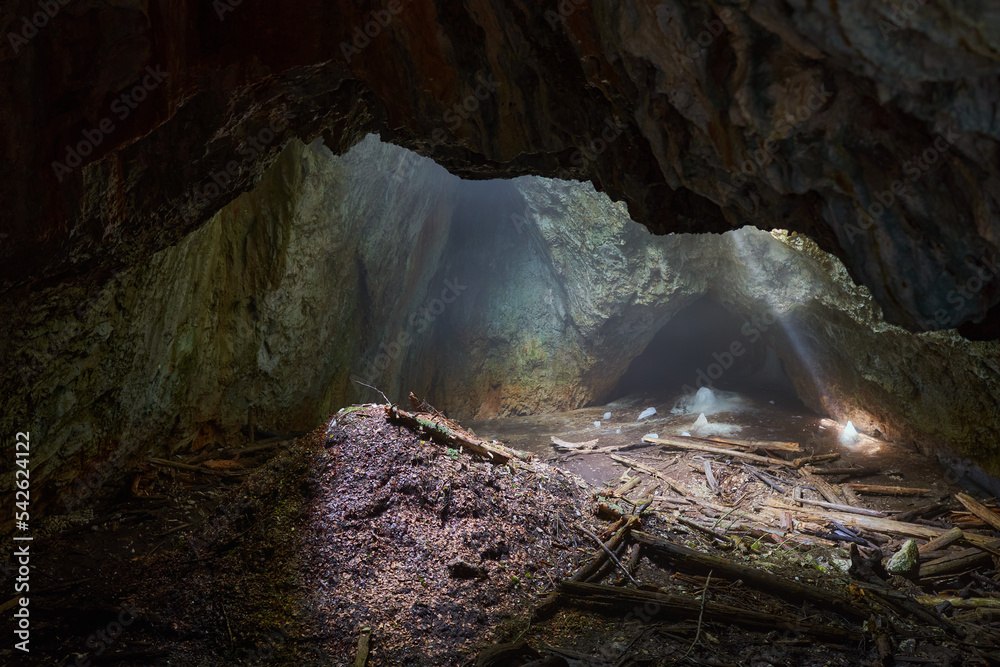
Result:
x=868 y=126
x=487 y=298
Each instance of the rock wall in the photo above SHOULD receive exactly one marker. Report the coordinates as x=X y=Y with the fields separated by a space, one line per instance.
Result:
x=489 y=298
x=870 y=127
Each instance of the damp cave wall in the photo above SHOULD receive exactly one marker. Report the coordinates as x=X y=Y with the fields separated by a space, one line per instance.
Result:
x=331 y=269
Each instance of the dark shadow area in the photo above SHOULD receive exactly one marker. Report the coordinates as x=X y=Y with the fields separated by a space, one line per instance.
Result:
x=706 y=345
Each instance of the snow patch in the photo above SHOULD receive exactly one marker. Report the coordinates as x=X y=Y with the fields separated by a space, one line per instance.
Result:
x=648 y=412
x=850 y=435
x=710 y=402
x=703 y=428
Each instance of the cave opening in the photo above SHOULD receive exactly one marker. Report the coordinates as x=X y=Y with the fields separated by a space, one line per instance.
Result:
x=706 y=345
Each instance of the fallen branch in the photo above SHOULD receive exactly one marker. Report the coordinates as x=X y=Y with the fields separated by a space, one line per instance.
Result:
x=676 y=606
x=677 y=443
x=781 y=586
x=450 y=434
x=841 y=508
x=879 y=490
x=981 y=511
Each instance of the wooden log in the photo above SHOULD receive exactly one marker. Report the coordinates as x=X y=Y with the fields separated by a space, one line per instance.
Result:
x=942 y=541
x=824 y=488
x=450 y=434
x=880 y=490
x=697 y=447
x=703 y=529
x=573 y=446
x=963 y=560
x=849 y=496
x=982 y=511
x=782 y=587
x=818 y=458
x=622 y=528
x=748 y=444
x=198 y=469
x=960 y=603
x=853 y=472
x=710 y=477
x=364 y=642
x=841 y=508
x=652 y=472
x=675 y=606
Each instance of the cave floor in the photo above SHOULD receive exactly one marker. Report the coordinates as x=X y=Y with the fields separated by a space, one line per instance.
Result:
x=290 y=554
x=757 y=419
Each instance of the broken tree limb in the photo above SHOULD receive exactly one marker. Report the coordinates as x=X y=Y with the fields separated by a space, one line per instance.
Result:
x=840 y=508
x=611 y=554
x=748 y=444
x=679 y=444
x=573 y=446
x=450 y=434
x=981 y=511
x=818 y=458
x=688 y=607
x=880 y=490
x=823 y=488
x=941 y=541
x=364 y=641
x=963 y=560
x=853 y=472
x=652 y=472
x=548 y=605
x=794 y=591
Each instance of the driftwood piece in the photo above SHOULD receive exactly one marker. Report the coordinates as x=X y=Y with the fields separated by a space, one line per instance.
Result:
x=548 y=605
x=823 y=488
x=199 y=469
x=652 y=472
x=747 y=444
x=678 y=443
x=782 y=587
x=676 y=606
x=963 y=560
x=853 y=472
x=941 y=541
x=451 y=434
x=880 y=490
x=573 y=446
x=818 y=458
x=364 y=643
x=983 y=512
x=841 y=508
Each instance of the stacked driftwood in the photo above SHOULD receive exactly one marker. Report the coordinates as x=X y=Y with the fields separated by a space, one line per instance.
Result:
x=929 y=573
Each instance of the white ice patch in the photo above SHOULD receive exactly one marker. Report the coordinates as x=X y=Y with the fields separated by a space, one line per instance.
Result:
x=850 y=435
x=618 y=430
x=648 y=412
x=597 y=424
x=607 y=416
x=710 y=402
x=685 y=434
x=652 y=435
x=702 y=428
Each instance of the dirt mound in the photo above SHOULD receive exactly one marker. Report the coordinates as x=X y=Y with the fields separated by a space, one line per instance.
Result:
x=430 y=548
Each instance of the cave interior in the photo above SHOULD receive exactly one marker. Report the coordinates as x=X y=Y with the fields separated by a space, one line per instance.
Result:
x=428 y=333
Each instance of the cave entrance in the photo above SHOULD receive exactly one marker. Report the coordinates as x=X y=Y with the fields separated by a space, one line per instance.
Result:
x=705 y=344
